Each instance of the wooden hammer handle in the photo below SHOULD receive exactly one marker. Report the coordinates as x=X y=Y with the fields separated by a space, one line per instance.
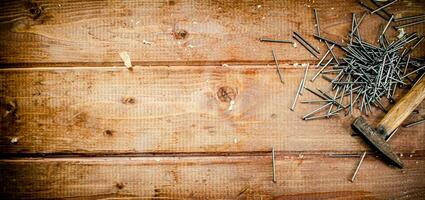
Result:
x=402 y=109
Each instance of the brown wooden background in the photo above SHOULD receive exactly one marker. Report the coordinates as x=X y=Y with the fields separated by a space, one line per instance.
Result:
x=88 y=128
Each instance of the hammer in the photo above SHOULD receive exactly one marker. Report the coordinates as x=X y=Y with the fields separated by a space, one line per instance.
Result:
x=393 y=119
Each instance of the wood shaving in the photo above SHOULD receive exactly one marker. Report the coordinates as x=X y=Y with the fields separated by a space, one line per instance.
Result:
x=147 y=42
x=400 y=33
x=231 y=104
x=14 y=140
x=126 y=58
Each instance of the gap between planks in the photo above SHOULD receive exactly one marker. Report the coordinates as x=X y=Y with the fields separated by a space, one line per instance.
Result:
x=152 y=64
x=122 y=67
x=102 y=155
x=280 y=155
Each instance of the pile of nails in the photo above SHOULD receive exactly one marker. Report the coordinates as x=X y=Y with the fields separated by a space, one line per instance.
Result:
x=368 y=74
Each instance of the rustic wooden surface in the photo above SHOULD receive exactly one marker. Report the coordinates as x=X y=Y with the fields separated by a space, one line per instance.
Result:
x=181 y=32
x=172 y=109
x=88 y=128
x=232 y=177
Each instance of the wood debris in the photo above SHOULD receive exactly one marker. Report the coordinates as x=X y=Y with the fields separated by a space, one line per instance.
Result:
x=126 y=58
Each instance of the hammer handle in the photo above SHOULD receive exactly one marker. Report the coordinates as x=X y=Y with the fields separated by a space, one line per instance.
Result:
x=402 y=109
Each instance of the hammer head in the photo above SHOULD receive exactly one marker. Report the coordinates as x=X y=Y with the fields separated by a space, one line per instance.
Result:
x=377 y=140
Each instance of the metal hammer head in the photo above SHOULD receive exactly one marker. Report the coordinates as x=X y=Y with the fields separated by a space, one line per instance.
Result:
x=377 y=140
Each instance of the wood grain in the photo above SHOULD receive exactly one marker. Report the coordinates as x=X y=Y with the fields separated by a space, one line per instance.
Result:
x=72 y=33
x=85 y=127
x=172 y=109
x=235 y=177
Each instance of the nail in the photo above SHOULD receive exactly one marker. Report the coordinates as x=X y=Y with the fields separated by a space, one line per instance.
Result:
x=315 y=101
x=317 y=74
x=311 y=46
x=320 y=117
x=414 y=123
x=316 y=110
x=382 y=7
x=388 y=24
x=305 y=45
x=413 y=72
x=277 y=67
x=383 y=10
x=410 y=24
x=332 y=52
x=418 y=79
x=370 y=9
x=317 y=22
x=391 y=135
x=327 y=40
x=409 y=18
x=273 y=165
x=358 y=166
x=324 y=56
x=277 y=41
x=317 y=94
x=296 y=95
x=305 y=78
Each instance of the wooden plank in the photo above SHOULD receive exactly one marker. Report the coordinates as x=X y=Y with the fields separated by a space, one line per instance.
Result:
x=181 y=31
x=172 y=110
x=239 y=177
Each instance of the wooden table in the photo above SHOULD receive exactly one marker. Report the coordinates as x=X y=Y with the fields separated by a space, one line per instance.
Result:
x=86 y=127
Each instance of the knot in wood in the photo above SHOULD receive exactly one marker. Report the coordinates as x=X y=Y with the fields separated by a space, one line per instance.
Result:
x=34 y=9
x=226 y=94
x=128 y=100
x=108 y=132
x=180 y=34
x=120 y=185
